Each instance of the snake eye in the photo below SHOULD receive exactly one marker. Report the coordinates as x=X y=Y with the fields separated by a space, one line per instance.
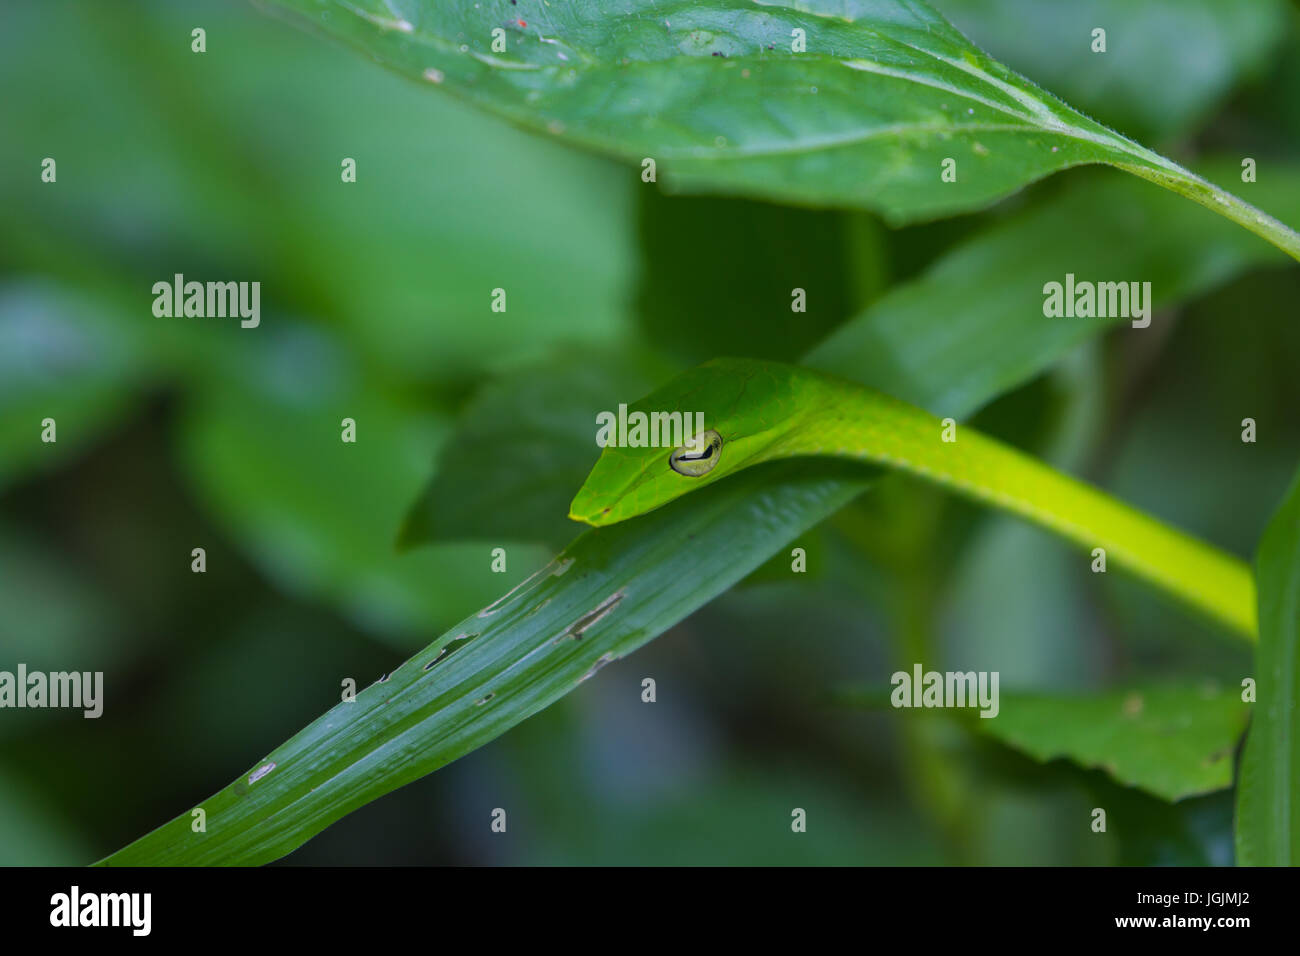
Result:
x=699 y=457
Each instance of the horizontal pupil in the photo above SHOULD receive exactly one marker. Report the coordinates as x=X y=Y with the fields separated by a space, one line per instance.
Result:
x=686 y=456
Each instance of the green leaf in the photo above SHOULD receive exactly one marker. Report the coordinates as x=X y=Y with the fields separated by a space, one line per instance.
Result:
x=972 y=326
x=835 y=258
x=522 y=446
x=607 y=594
x=1143 y=830
x=1171 y=741
x=717 y=95
x=1268 y=791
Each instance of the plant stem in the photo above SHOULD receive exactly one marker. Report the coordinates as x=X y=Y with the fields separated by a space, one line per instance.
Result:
x=1188 y=184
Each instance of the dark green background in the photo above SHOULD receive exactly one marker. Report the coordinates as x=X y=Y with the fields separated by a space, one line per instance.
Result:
x=175 y=434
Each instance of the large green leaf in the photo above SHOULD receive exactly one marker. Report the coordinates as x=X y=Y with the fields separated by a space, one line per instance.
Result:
x=1268 y=790
x=972 y=326
x=1173 y=742
x=722 y=98
x=607 y=594
x=522 y=446
x=689 y=269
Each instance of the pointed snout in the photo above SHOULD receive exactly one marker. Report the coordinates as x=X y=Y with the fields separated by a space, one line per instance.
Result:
x=590 y=509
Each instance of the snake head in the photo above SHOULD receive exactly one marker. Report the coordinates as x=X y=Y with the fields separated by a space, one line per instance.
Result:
x=728 y=414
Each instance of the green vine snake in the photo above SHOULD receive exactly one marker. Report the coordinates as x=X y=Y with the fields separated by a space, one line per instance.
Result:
x=758 y=411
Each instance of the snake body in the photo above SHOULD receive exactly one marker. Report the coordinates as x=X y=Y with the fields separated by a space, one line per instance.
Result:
x=764 y=411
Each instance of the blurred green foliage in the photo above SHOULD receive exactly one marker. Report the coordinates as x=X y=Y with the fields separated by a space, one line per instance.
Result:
x=179 y=434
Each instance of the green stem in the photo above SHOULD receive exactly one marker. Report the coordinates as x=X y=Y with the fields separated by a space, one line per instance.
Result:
x=940 y=785
x=1193 y=187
